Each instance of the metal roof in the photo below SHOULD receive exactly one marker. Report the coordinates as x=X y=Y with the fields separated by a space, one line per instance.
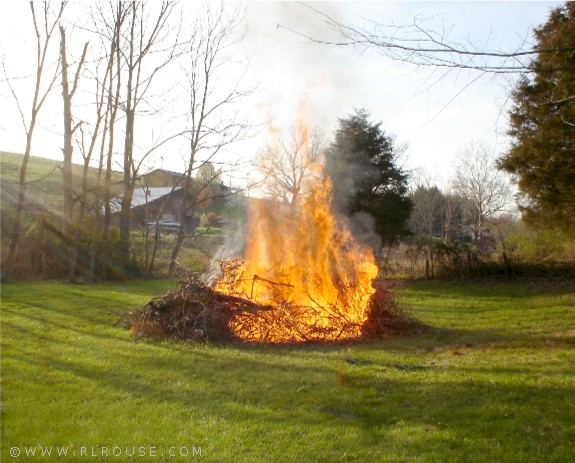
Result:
x=143 y=196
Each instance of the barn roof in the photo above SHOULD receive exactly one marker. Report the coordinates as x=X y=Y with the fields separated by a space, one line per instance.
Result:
x=143 y=196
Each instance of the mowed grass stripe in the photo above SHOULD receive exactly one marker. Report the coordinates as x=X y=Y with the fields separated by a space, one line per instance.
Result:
x=492 y=380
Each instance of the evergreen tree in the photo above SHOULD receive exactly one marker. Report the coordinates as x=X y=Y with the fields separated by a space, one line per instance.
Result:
x=362 y=163
x=542 y=156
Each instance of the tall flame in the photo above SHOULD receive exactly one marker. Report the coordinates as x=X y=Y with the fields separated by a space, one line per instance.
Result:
x=306 y=268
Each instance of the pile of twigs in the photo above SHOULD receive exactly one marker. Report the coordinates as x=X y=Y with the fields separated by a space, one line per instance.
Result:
x=387 y=318
x=196 y=312
x=192 y=312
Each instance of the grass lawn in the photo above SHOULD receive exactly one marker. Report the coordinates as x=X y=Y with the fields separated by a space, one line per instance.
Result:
x=493 y=380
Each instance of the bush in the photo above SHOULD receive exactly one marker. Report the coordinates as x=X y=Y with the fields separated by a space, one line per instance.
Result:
x=42 y=250
x=532 y=247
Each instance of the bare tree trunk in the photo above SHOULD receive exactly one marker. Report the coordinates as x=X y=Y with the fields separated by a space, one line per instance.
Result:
x=67 y=179
x=138 y=48
x=15 y=235
x=78 y=230
x=125 y=212
x=98 y=197
x=128 y=183
x=113 y=104
x=154 y=251
x=479 y=234
x=112 y=108
x=38 y=101
x=97 y=206
x=67 y=188
x=448 y=217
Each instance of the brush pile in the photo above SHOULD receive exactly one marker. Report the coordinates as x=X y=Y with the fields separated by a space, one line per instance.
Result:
x=198 y=313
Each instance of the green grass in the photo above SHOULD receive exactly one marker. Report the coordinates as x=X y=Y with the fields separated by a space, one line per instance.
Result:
x=44 y=177
x=37 y=167
x=195 y=253
x=495 y=382
x=47 y=172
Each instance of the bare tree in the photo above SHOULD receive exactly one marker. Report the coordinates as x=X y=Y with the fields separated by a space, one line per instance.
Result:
x=428 y=213
x=425 y=44
x=141 y=43
x=288 y=164
x=142 y=40
x=213 y=124
x=44 y=28
x=421 y=44
x=478 y=181
x=69 y=129
x=109 y=32
x=112 y=36
x=96 y=135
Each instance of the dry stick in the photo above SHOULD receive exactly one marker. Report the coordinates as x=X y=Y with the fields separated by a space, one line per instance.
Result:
x=292 y=325
x=285 y=313
x=335 y=313
x=286 y=309
x=279 y=317
x=273 y=283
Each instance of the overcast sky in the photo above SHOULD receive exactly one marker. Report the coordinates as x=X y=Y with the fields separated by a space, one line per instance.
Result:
x=434 y=121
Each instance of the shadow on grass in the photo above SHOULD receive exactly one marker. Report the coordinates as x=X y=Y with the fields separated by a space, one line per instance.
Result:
x=454 y=411
x=40 y=326
x=293 y=397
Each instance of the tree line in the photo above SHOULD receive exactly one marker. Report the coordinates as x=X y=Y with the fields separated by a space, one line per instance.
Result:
x=474 y=214
x=541 y=160
x=133 y=44
x=129 y=48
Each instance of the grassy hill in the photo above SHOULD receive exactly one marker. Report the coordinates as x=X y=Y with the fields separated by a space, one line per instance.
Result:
x=44 y=177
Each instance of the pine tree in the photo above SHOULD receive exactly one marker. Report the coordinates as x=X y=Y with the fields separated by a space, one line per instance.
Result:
x=542 y=156
x=362 y=163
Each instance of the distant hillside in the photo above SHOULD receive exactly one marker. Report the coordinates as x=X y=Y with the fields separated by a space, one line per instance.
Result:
x=44 y=178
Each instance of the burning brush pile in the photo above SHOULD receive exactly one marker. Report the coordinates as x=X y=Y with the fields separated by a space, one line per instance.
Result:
x=304 y=278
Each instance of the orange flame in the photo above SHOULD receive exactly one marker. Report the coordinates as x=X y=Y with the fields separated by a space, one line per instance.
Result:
x=306 y=268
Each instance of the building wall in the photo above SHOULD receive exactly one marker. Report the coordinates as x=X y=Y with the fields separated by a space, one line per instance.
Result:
x=158 y=179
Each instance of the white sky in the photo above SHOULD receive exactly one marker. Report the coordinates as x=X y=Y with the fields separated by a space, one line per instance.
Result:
x=331 y=81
